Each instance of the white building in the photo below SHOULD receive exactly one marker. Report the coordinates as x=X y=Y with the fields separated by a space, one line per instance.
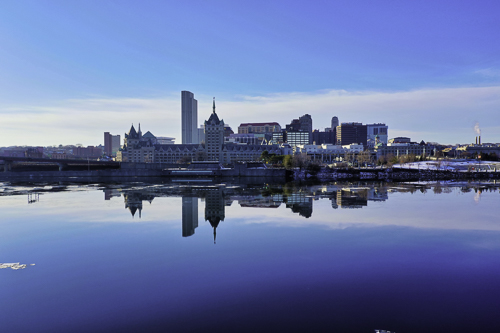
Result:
x=376 y=130
x=327 y=152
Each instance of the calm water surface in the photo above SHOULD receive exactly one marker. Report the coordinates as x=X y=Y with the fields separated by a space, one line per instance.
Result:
x=230 y=258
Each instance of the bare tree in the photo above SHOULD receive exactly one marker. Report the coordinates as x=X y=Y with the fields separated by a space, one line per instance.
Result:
x=200 y=155
x=364 y=157
x=300 y=160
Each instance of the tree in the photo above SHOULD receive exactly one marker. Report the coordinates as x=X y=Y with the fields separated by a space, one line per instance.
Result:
x=184 y=159
x=300 y=160
x=264 y=156
x=276 y=159
x=364 y=157
x=200 y=155
x=349 y=157
x=287 y=161
x=314 y=167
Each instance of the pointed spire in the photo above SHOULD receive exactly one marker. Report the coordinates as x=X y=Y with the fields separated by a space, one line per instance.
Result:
x=215 y=234
x=214 y=105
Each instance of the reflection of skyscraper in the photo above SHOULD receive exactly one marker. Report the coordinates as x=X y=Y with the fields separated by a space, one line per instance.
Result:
x=214 y=208
x=189 y=215
x=352 y=198
x=110 y=193
x=300 y=203
x=334 y=203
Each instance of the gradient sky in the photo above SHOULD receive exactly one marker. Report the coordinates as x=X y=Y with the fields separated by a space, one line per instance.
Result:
x=71 y=70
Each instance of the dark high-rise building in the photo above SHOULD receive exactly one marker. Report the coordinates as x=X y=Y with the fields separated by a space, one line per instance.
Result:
x=348 y=133
x=324 y=137
x=189 y=117
x=306 y=125
x=335 y=123
x=111 y=144
x=302 y=125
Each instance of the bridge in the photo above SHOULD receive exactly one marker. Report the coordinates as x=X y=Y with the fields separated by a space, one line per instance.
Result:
x=63 y=164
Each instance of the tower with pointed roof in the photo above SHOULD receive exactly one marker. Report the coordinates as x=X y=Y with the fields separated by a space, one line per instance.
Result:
x=214 y=136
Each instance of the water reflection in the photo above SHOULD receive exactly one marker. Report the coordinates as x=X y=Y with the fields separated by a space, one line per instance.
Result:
x=293 y=258
x=299 y=200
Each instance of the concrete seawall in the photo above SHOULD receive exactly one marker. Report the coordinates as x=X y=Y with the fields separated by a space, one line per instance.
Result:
x=139 y=173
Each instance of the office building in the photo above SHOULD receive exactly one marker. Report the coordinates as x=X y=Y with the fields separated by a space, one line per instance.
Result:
x=111 y=144
x=324 y=137
x=270 y=127
x=335 y=123
x=376 y=133
x=140 y=149
x=348 y=133
x=189 y=118
x=214 y=136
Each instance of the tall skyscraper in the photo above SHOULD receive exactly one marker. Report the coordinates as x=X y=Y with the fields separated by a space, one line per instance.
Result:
x=111 y=144
x=189 y=117
x=214 y=136
x=335 y=123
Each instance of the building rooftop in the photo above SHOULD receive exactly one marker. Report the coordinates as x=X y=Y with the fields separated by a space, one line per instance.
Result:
x=259 y=124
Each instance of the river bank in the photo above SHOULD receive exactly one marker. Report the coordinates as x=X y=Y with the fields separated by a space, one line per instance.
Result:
x=390 y=174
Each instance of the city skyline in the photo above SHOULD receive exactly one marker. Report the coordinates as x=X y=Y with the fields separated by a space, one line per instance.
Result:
x=72 y=71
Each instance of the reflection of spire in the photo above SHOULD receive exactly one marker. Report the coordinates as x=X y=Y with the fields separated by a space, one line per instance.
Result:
x=133 y=201
x=215 y=234
x=214 y=208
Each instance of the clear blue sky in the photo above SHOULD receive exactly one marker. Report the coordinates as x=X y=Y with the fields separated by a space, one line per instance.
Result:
x=70 y=70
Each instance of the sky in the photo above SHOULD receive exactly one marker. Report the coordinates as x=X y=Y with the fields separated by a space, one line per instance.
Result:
x=72 y=70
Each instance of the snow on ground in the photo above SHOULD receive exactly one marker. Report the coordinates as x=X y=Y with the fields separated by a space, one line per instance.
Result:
x=451 y=165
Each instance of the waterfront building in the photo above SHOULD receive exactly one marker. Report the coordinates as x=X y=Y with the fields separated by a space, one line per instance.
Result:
x=353 y=132
x=303 y=124
x=295 y=138
x=111 y=144
x=487 y=148
x=249 y=139
x=87 y=152
x=140 y=148
x=189 y=118
x=319 y=138
x=376 y=130
x=407 y=148
x=165 y=140
x=400 y=139
x=214 y=136
x=327 y=153
x=270 y=127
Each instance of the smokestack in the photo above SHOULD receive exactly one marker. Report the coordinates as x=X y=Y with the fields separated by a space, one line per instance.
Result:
x=476 y=140
x=480 y=140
